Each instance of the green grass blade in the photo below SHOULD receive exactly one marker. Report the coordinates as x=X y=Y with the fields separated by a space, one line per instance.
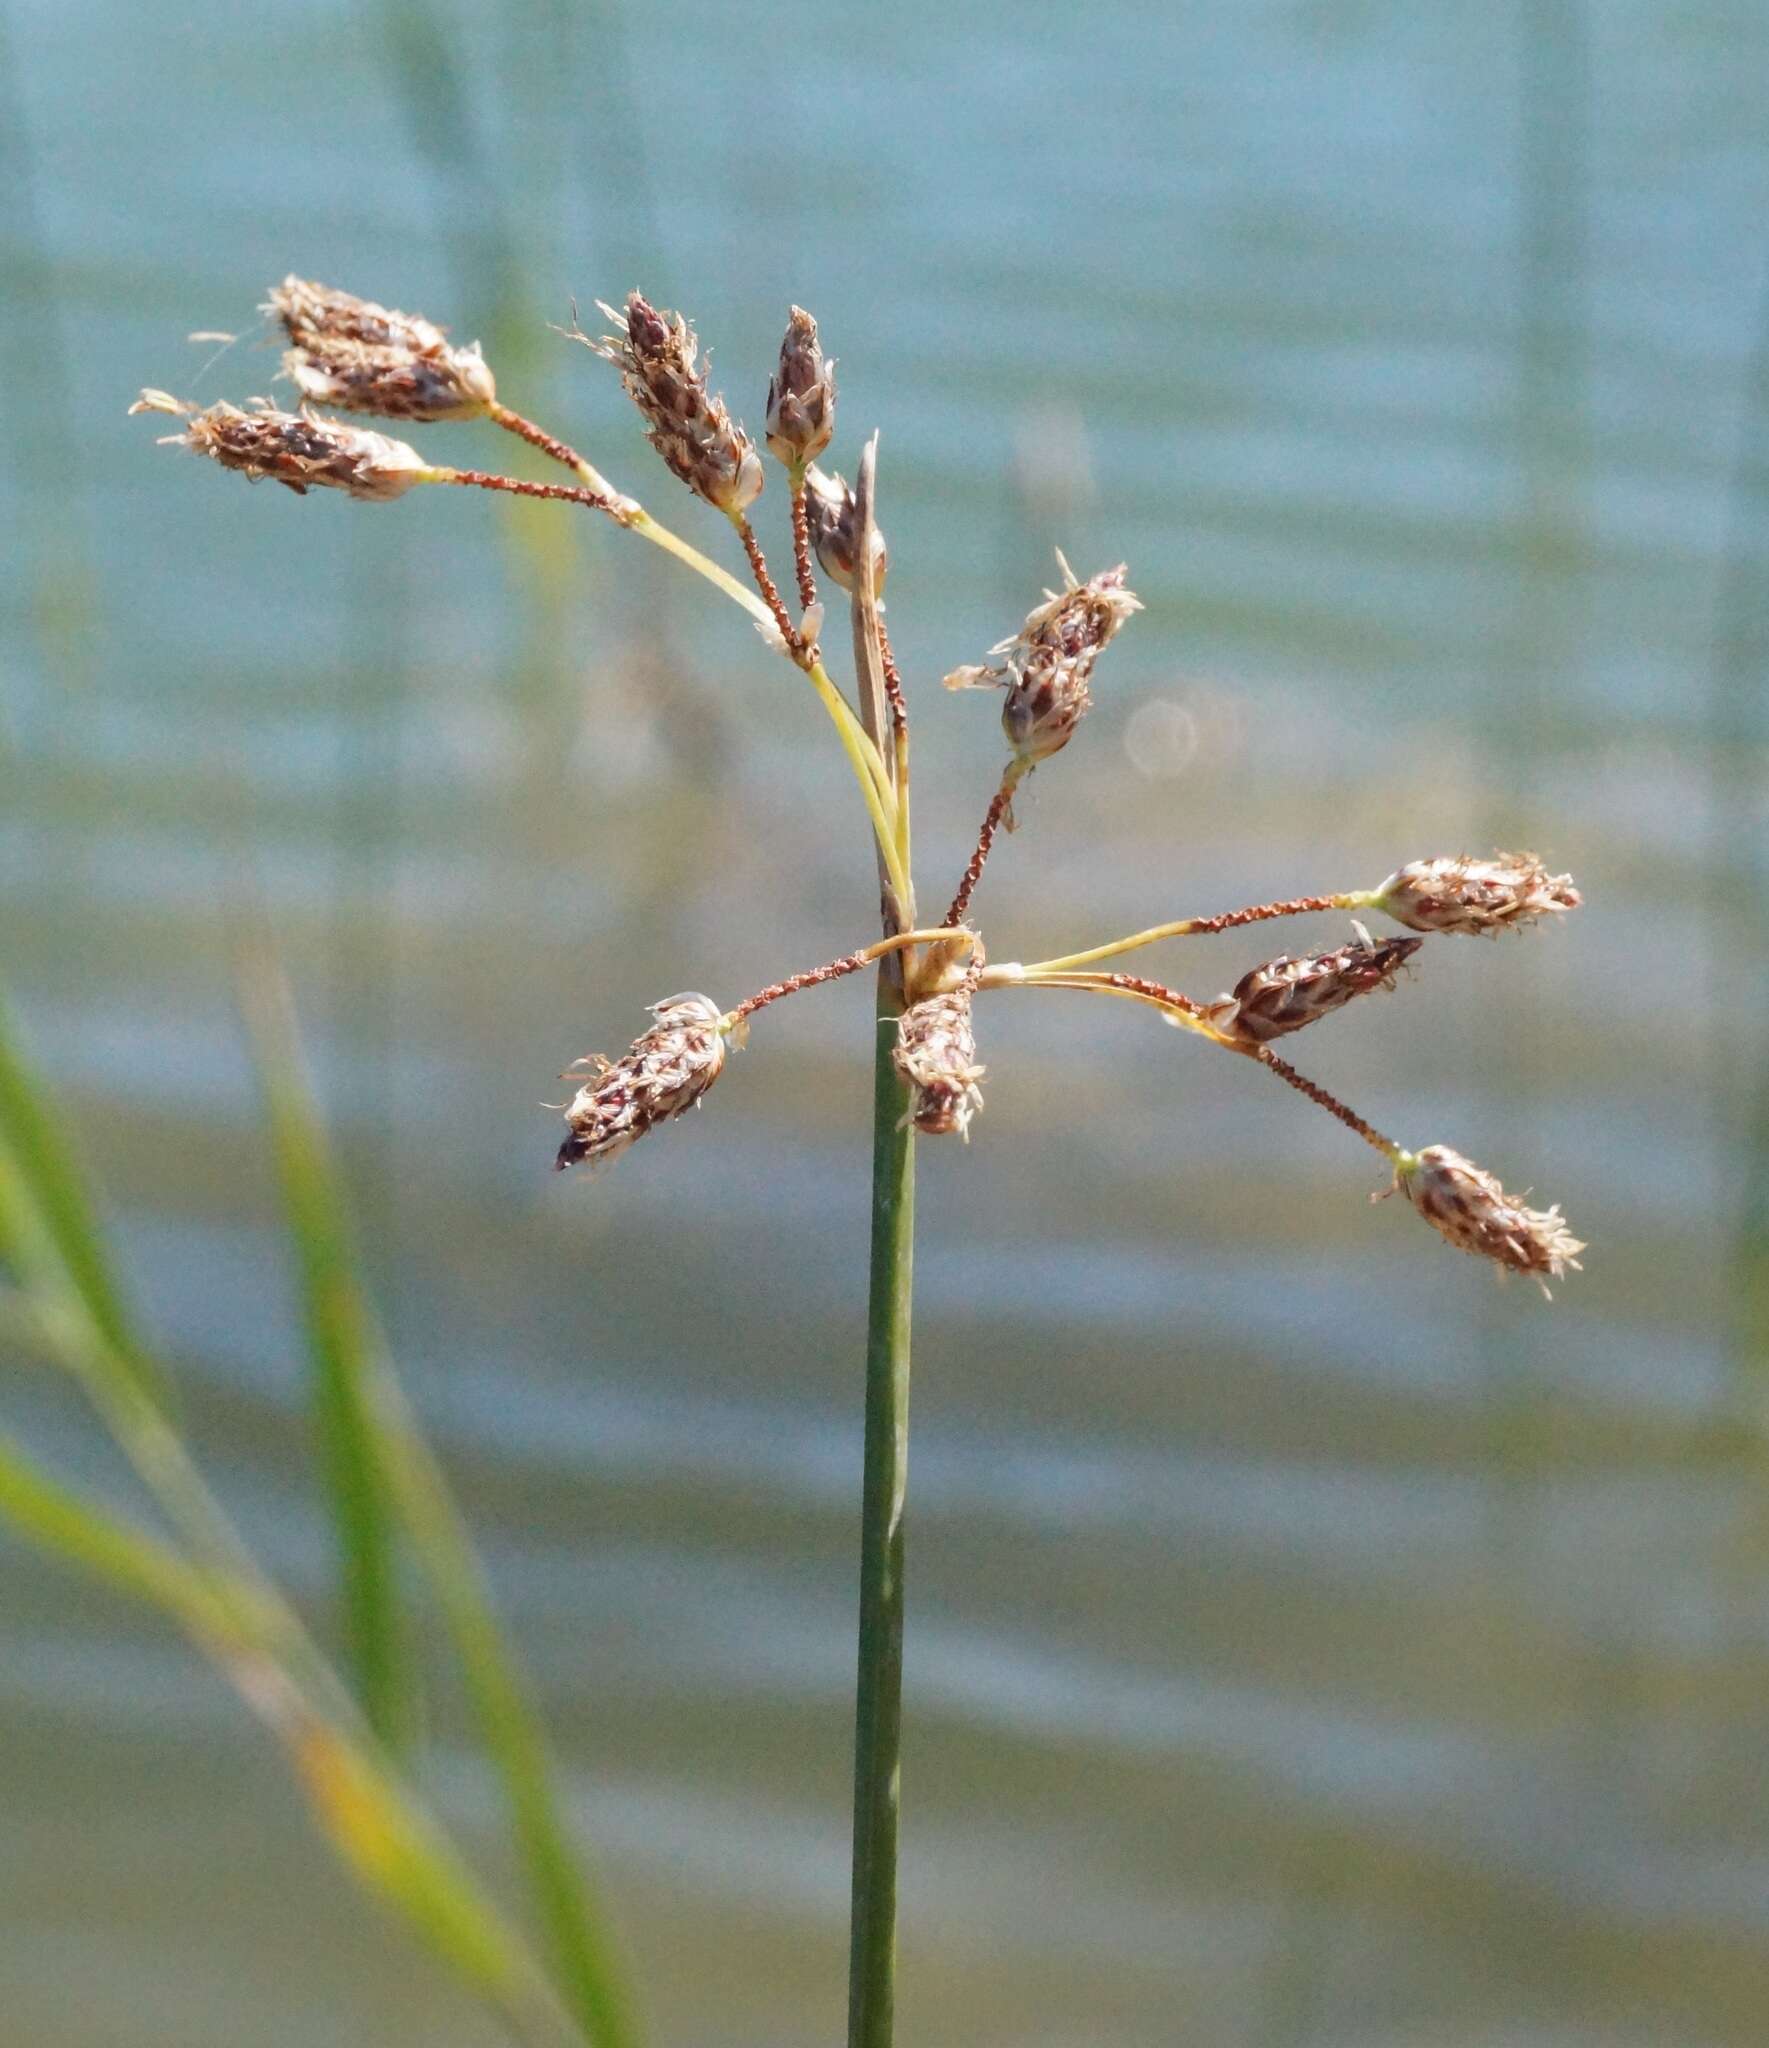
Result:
x=216 y=1610
x=373 y=1826
x=44 y=1162
x=341 y=1348
x=587 y=1961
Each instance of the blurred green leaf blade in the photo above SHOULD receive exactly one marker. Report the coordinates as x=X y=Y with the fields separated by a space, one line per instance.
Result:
x=587 y=1958
x=47 y=1190
x=342 y=1345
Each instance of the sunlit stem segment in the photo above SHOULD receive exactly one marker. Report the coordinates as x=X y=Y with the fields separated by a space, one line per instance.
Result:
x=648 y=528
x=1176 y=1008
x=893 y=686
x=849 y=963
x=874 y=779
x=1203 y=927
x=864 y=757
x=1181 y=1010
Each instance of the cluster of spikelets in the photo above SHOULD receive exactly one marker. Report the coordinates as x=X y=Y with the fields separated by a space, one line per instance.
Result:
x=358 y=357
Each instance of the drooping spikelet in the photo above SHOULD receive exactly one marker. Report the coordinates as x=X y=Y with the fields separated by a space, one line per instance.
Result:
x=297 y=449
x=315 y=316
x=666 y=1070
x=656 y=355
x=1466 y=1204
x=1478 y=896
x=831 y=515
x=936 y=1054
x=801 y=395
x=1046 y=665
x=1293 y=990
x=349 y=352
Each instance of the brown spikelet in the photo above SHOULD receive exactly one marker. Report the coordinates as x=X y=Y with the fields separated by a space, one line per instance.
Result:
x=1466 y=1205
x=314 y=314
x=801 y=395
x=1476 y=896
x=351 y=353
x=296 y=449
x=392 y=384
x=936 y=1054
x=1045 y=666
x=656 y=355
x=1291 y=991
x=830 y=515
x=666 y=1070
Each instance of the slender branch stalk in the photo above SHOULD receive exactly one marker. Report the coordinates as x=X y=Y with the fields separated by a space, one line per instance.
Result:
x=1181 y=1010
x=878 y=710
x=522 y=487
x=801 y=543
x=868 y=764
x=764 y=582
x=1202 y=927
x=849 y=963
x=549 y=444
x=1176 y=1008
x=893 y=689
x=1330 y=1103
x=973 y=874
x=660 y=536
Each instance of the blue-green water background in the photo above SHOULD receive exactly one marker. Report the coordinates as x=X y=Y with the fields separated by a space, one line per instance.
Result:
x=1310 y=1642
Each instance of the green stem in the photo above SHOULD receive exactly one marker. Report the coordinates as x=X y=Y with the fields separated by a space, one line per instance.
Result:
x=878 y=1706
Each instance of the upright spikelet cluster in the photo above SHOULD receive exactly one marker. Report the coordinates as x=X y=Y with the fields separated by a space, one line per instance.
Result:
x=362 y=357
x=665 y=1071
x=801 y=396
x=689 y=426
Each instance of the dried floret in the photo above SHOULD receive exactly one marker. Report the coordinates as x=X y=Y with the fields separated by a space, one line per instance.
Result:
x=936 y=1054
x=666 y=1070
x=297 y=449
x=801 y=396
x=1291 y=991
x=1045 y=667
x=351 y=353
x=1478 y=896
x=1466 y=1204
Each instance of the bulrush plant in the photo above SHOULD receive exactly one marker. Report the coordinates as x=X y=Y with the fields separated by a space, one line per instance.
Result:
x=356 y=357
